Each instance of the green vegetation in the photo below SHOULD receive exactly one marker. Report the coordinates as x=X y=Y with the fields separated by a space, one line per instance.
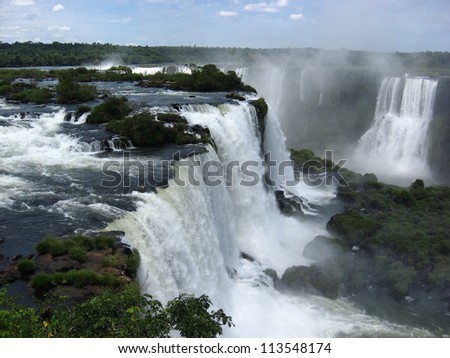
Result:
x=26 y=266
x=43 y=282
x=57 y=247
x=112 y=109
x=78 y=253
x=402 y=234
x=77 y=54
x=69 y=91
x=144 y=130
x=112 y=314
x=203 y=79
x=132 y=264
x=25 y=92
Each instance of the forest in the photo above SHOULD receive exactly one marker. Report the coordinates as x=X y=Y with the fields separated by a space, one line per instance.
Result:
x=30 y=54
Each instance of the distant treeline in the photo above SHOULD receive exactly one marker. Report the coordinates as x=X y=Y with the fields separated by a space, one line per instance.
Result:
x=29 y=54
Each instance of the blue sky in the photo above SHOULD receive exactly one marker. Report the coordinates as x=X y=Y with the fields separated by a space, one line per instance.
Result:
x=378 y=25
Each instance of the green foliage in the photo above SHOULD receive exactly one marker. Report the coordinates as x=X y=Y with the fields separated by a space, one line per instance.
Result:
x=109 y=261
x=78 y=253
x=307 y=162
x=203 y=79
x=35 y=95
x=191 y=317
x=132 y=264
x=261 y=108
x=26 y=266
x=43 y=282
x=112 y=109
x=105 y=242
x=18 y=321
x=69 y=91
x=145 y=131
x=83 y=109
x=57 y=246
x=51 y=245
x=112 y=314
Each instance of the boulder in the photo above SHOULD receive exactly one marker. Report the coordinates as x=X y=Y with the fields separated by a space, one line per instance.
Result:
x=322 y=248
x=310 y=279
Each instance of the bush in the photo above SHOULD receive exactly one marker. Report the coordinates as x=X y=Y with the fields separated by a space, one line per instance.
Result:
x=109 y=261
x=84 y=242
x=82 y=110
x=132 y=264
x=105 y=242
x=145 y=131
x=26 y=265
x=51 y=245
x=42 y=282
x=112 y=109
x=69 y=91
x=78 y=253
x=113 y=314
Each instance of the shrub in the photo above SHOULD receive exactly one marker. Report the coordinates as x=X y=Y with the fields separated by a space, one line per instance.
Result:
x=78 y=253
x=69 y=91
x=144 y=131
x=26 y=265
x=109 y=261
x=51 y=245
x=261 y=108
x=105 y=242
x=82 y=110
x=132 y=264
x=84 y=242
x=112 y=109
x=42 y=282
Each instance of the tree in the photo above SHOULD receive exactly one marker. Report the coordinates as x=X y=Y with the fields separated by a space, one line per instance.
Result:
x=112 y=314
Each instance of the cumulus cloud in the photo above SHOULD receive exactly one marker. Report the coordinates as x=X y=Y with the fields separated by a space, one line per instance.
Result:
x=58 y=28
x=22 y=2
x=273 y=6
x=57 y=7
x=296 y=16
x=227 y=13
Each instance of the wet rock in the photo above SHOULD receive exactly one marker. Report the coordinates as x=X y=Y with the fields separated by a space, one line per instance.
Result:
x=16 y=258
x=9 y=275
x=310 y=279
x=322 y=248
x=289 y=204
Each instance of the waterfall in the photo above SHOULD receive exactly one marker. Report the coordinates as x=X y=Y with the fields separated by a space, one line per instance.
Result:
x=190 y=236
x=396 y=144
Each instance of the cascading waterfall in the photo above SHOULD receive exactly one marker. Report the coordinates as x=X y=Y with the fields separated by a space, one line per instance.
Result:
x=396 y=144
x=190 y=237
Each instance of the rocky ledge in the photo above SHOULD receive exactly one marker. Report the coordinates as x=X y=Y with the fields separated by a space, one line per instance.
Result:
x=76 y=267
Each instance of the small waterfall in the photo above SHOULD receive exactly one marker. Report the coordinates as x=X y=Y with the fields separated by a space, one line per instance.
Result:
x=396 y=144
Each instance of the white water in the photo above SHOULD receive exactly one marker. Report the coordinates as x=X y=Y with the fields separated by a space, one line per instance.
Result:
x=190 y=237
x=396 y=144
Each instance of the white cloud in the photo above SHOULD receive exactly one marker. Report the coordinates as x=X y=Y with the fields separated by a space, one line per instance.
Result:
x=57 y=7
x=120 y=21
x=273 y=6
x=22 y=2
x=58 y=28
x=227 y=13
x=296 y=16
